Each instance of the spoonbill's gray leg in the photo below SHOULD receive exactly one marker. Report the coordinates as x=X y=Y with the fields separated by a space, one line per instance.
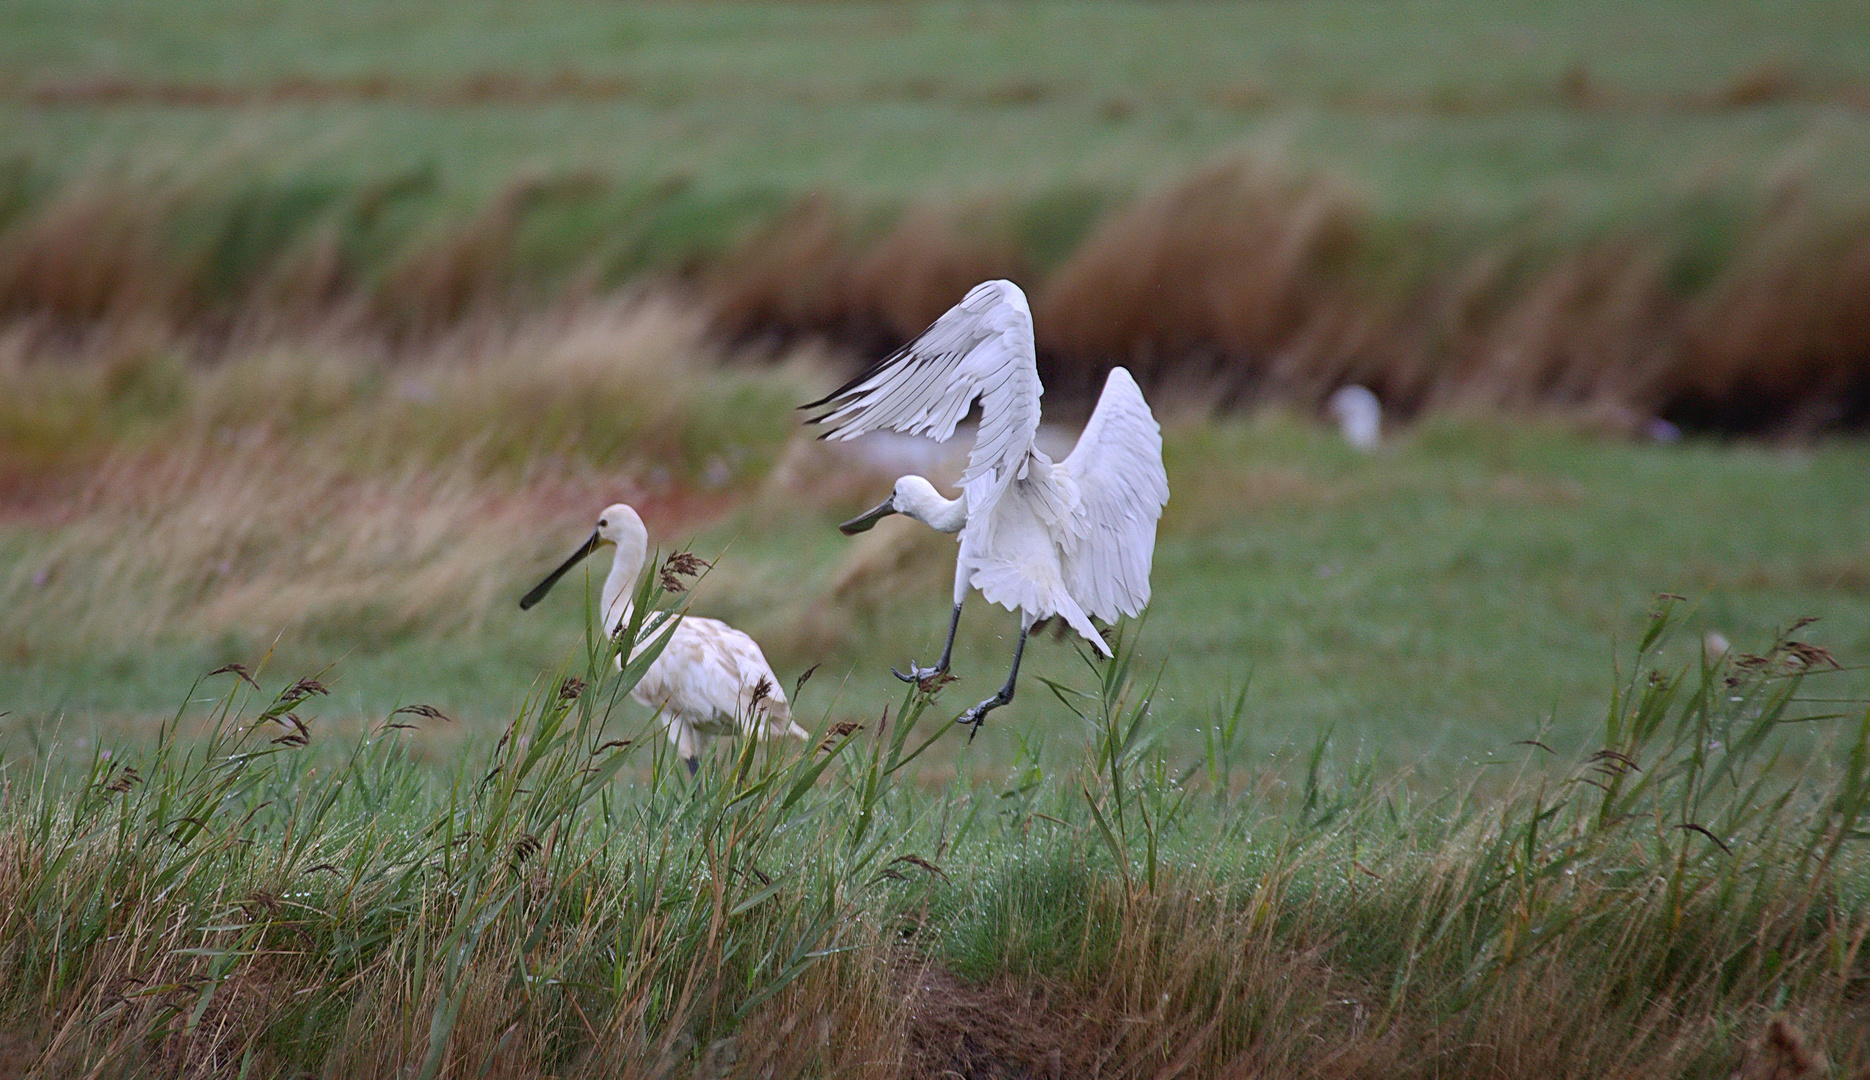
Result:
x=687 y=743
x=918 y=674
x=978 y=713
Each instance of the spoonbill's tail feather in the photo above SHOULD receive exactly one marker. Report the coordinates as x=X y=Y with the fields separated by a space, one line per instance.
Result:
x=1006 y=583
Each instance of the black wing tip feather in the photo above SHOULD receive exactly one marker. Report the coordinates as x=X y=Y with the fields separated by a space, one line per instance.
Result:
x=857 y=379
x=894 y=355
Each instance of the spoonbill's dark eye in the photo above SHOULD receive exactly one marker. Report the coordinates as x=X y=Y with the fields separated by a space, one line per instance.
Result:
x=603 y=523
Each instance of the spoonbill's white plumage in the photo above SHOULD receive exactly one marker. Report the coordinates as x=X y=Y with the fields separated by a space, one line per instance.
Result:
x=1072 y=538
x=710 y=679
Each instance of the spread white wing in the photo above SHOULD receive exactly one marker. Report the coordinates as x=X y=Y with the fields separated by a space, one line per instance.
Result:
x=982 y=347
x=1110 y=538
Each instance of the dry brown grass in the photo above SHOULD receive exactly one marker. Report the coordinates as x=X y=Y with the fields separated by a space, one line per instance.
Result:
x=812 y=270
x=201 y=539
x=1784 y=332
x=133 y=1013
x=1246 y=280
x=1244 y=284
x=1563 y=931
x=1195 y=985
x=314 y=486
x=89 y=254
x=1235 y=264
x=1198 y=988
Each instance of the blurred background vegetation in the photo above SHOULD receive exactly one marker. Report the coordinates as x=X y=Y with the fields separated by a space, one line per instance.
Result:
x=1656 y=208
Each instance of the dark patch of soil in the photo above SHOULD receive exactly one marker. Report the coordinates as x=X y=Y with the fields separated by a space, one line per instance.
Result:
x=1000 y=1031
x=20 y=1047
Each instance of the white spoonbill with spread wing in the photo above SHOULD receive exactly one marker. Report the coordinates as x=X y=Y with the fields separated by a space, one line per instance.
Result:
x=1072 y=538
x=711 y=679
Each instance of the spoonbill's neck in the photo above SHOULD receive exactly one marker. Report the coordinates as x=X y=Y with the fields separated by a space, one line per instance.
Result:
x=918 y=498
x=618 y=586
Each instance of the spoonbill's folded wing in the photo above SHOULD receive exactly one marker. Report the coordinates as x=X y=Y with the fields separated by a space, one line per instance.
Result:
x=1111 y=536
x=982 y=347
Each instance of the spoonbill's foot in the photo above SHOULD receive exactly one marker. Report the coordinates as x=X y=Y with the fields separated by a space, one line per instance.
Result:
x=919 y=674
x=975 y=716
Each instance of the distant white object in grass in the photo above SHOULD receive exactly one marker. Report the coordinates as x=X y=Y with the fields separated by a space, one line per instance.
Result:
x=1074 y=538
x=1359 y=416
x=1656 y=429
x=711 y=679
x=1714 y=644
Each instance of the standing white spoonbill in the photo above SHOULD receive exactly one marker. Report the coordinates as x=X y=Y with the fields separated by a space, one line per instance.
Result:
x=1073 y=538
x=711 y=679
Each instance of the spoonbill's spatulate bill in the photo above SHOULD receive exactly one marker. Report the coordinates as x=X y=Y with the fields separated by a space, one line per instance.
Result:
x=711 y=679
x=1073 y=538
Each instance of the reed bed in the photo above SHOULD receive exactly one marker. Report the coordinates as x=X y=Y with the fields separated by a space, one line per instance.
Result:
x=1244 y=283
x=1247 y=278
x=279 y=897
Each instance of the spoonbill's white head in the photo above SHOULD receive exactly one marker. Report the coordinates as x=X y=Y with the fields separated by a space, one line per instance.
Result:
x=618 y=525
x=917 y=498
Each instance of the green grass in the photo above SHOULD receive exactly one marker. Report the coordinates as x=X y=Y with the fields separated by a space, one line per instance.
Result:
x=268 y=900
x=1429 y=605
x=425 y=876
x=1432 y=604
x=1449 y=113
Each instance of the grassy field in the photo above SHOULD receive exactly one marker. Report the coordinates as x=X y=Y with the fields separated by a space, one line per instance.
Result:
x=1510 y=750
x=1430 y=604
x=1660 y=206
x=1427 y=108
x=1419 y=768
x=265 y=899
